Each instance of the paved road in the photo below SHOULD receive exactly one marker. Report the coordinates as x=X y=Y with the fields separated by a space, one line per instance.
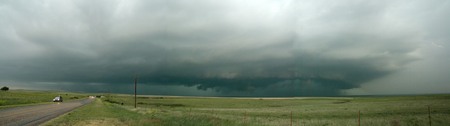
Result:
x=37 y=114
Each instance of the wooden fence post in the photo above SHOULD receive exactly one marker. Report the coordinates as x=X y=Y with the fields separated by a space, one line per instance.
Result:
x=245 y=117
x=291 y=118
x=429 y=115
x=190 y=110
x=359 y=117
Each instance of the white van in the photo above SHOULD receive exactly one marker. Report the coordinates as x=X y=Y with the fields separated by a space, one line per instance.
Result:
x=58 y=99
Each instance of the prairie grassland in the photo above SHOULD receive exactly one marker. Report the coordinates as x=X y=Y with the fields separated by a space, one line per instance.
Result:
x=374 y=111
x=14 y=98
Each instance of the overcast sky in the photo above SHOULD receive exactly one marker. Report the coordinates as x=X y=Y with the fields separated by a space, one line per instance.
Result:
x=227 y=48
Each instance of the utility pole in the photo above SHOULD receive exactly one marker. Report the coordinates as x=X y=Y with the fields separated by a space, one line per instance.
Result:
x=135 y=85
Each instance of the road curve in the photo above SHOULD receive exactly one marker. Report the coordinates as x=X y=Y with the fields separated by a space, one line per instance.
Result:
x=37 y=114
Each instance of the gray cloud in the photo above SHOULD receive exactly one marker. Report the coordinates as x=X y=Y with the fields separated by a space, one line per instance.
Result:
x=253 y=48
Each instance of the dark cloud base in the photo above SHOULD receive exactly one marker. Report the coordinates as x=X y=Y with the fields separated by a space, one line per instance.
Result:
x=267 y=87
x=220 y=48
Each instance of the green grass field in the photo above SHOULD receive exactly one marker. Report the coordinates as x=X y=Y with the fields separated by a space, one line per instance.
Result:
x=374 y=111
x=115 y=109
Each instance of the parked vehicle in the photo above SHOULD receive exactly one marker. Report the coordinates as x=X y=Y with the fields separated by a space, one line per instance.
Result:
x=58 y=99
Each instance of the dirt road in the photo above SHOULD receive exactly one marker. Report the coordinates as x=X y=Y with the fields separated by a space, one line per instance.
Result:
x=37 y=114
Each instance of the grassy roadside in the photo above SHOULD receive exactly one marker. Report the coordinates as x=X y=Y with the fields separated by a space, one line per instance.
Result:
x=101 y=113
x=188 y=111
x=14 y=98
x=96 y=113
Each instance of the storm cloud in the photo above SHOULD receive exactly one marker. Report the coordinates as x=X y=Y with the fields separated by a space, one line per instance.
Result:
x=221 y=48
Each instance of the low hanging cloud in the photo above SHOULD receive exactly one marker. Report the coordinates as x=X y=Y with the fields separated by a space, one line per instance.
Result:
x=235 y=48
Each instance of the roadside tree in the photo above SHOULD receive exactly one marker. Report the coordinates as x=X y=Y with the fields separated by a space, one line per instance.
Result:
x=4 y=88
